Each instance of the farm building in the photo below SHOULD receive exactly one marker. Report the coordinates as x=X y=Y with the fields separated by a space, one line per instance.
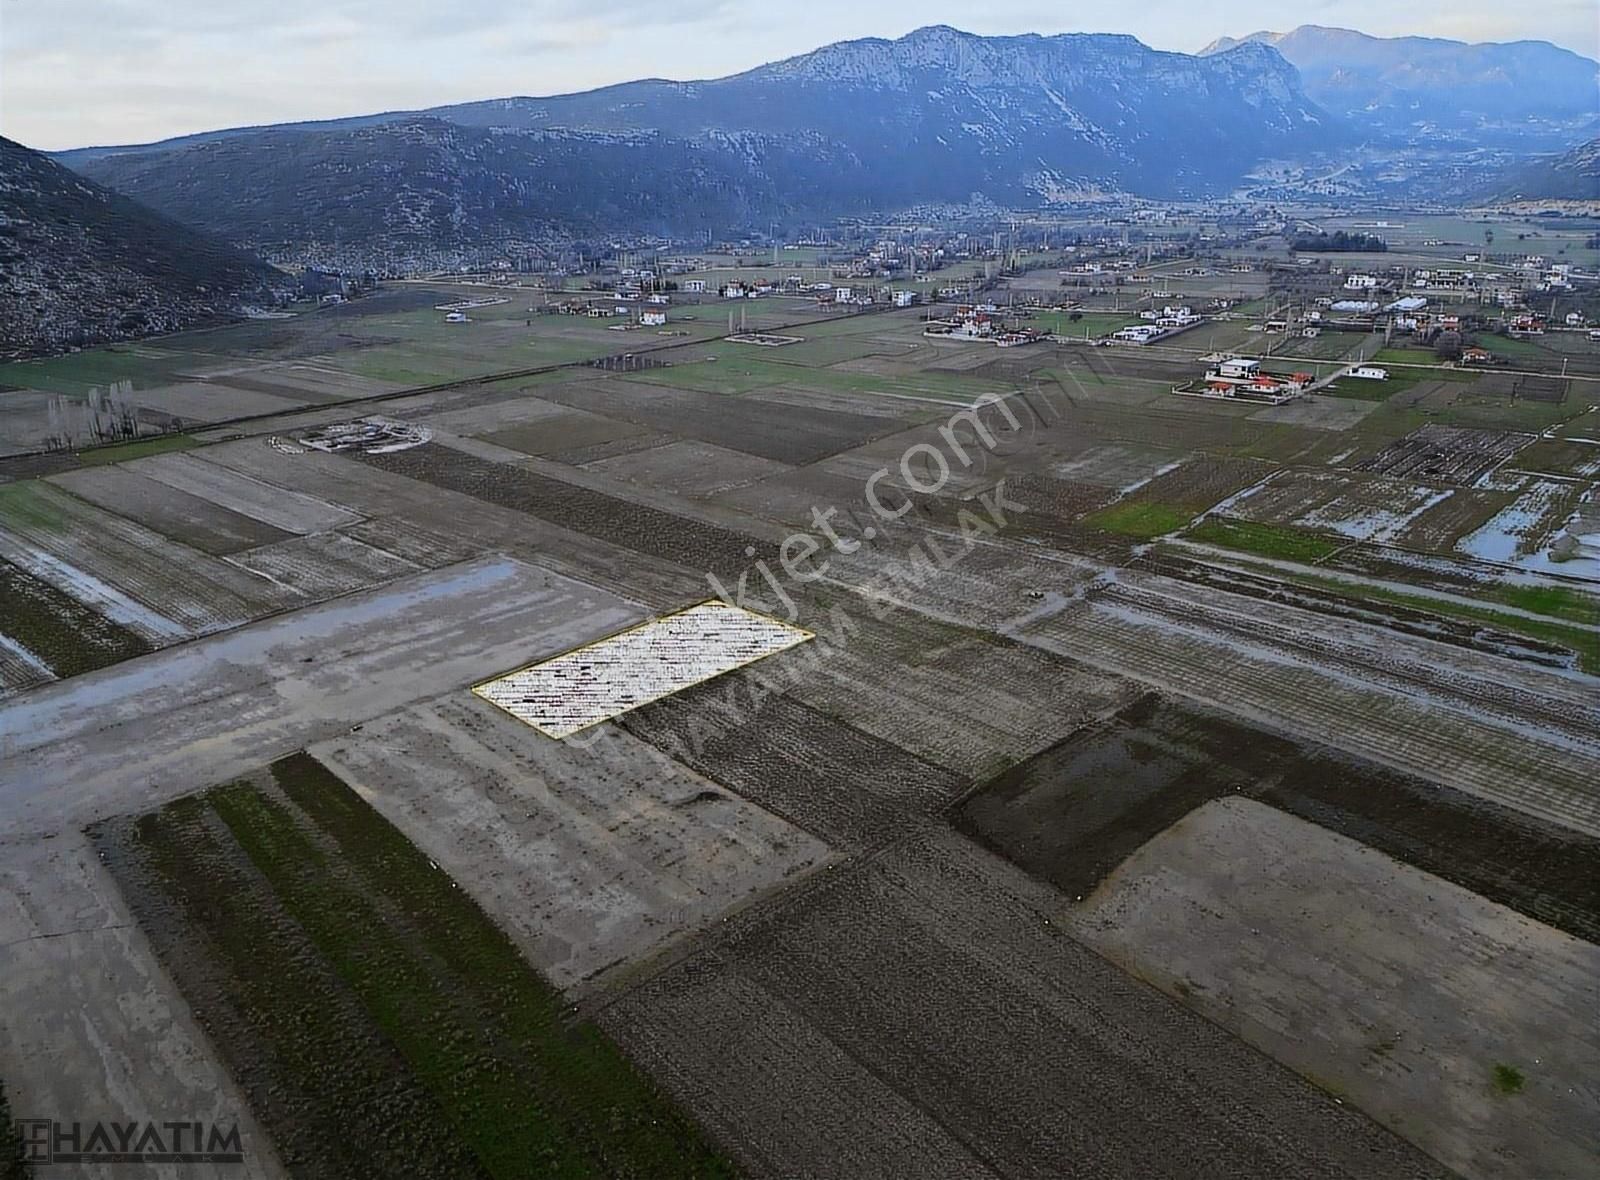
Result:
x=1241 y=377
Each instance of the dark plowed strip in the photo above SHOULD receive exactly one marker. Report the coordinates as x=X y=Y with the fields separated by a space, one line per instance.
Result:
x=67 y=635
x=639 y=527
x=1073 y=813
x=849 y=788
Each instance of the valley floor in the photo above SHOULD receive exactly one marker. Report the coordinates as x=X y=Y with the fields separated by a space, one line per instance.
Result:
x=1175 y=789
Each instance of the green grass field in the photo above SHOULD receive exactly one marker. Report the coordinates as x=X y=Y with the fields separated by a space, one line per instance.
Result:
x=1266 y=540
x=1139 y=518
x=141 y=448
x=395 y=1028
x=1090 y=323
x=34 y=504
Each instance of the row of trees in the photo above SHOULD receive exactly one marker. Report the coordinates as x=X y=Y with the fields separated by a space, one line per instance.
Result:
x=1339 y=242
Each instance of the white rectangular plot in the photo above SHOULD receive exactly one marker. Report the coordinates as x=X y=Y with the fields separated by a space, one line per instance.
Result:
x=655 y=659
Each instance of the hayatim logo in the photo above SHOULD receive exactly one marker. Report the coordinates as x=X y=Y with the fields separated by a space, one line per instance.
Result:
x=46 y=1141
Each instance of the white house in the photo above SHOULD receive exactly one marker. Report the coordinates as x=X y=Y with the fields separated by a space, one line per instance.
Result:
x=652 y=317
x=694 y=286
x=1360 y=282
x=1370 y=372
x=456 y=317
x=904 y=298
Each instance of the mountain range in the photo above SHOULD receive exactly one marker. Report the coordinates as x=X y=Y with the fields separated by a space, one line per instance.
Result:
x=937 y=119
x=82 y=265
x=1529 y=93
x=1570 y=176
x=872 y=126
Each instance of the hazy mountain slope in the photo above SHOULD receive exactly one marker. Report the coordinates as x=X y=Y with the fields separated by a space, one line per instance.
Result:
x=1429 y=85
x=420 y=185
x=1571 y=176
x=80 y=264
x=936 y=116
x=1007 y=116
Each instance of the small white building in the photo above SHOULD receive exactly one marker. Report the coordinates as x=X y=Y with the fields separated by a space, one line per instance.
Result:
x=1370 y=373
x=904 y=298
x=1239 y=368
x=844 y=294
x=652 y=317
x=456 y=317
x=1360 y=282
x=694 y=286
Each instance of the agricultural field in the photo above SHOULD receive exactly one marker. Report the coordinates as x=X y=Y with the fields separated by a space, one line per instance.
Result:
x=1131 y=736
x=1237 y=909
x=373 y=1014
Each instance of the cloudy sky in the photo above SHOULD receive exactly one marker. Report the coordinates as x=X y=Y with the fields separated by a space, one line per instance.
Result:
x=79 y=72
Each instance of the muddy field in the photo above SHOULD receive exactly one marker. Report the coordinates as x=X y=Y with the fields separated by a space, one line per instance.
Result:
x=45 y=633
x=1447 y=454
x=1072 y=814
x=681 y=540
x=925 y=1014
x=1360 y=507
x=590 y=857
x=1294 y=937
x=843 y=785
x=1419 y=707
x=1344 y=622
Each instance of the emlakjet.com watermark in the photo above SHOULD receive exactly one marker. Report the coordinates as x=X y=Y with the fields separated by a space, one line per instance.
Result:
x=925 y=468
